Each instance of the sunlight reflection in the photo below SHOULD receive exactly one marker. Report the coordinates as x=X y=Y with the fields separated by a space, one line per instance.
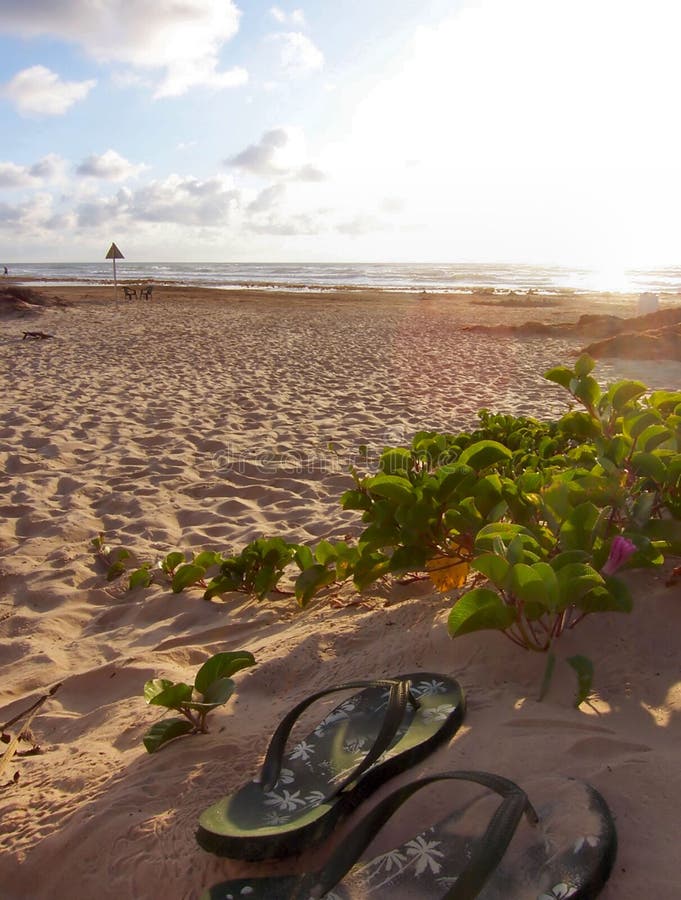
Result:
x=610 y=278
x=595 y=706
x=662 y=713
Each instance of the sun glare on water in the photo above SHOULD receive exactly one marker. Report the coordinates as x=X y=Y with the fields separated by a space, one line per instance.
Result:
x=607 y=278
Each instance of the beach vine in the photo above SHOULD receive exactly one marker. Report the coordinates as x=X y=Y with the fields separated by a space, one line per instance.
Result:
x=532 y=519
x=212 y=687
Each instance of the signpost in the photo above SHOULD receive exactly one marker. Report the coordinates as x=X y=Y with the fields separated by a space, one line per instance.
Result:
x=114 y=254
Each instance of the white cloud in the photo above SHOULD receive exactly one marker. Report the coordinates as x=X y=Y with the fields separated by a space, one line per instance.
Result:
x=102 y=210
x=39 y=91
x=110 y=166
x=296 y=17
x=308 y=172
x=49 y=168
x=262 y=158
x=29 y=217
x=299 y=223
x=13 y=176
x=297 y=53
x=176 y=200
x=182 y=38
x=269 y=198
x=279 y=152
x=186 y=200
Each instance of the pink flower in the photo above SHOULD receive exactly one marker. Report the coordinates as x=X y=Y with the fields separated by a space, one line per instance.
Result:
x=620 y=551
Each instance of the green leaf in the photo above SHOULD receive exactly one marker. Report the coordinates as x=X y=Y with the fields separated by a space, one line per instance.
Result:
x=218 y=692
x=567 y=557
x=164 y=731
x=408 y=559
x=397 y=461
x=368 y=568
x=156 y=686
x=161 y=692
x=222 y=584
x=172 y=561
x=303 y=557
x=477 y=610
x=116 y=570
x=222 y=665
x=527 y=584
x=665 y=401
x=613 y=596
x=208 y=558
x=576 y=531
x=187 y=575
x=504 y=531
x=618 y=448
x=649 y=465
x=622 y=392
x=667 y=530
x=652 y=437
x=483 y=454
x=585 y=673
x=493 y=566
x=487 y=493
x=140 y=578
x=550 y=583
x=575 y=580
x=584 y=365
x=455 y=481
x=312 y=580
x=560 y=375
x=642 y=509
x=636 y=422
x=392 y=487
x=355 y=500
x=265 y=581
x=515 y=552
x=579 y=425
x=586 y=389
x=325 y=553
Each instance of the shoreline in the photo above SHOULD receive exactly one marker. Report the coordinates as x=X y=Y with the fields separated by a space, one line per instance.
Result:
x=465 y=290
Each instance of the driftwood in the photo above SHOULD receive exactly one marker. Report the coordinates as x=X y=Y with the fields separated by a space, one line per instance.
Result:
x=27 y=715
x=36 y=335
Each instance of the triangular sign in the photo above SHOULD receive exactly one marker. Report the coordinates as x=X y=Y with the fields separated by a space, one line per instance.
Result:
x=114 y=253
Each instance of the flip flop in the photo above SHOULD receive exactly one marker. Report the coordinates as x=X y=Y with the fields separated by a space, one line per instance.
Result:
x=565 y=849
x=367 y=739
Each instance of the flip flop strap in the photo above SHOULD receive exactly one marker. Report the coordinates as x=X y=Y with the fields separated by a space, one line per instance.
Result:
x=399 y=695
x=485 y=858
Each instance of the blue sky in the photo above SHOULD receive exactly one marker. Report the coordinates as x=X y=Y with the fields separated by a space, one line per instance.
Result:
x=227 y=130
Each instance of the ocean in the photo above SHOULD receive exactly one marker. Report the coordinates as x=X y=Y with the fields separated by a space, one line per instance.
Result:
x=393 y=276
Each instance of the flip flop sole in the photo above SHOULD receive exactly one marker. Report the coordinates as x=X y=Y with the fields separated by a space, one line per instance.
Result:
x=297 y=813
x=568 y=855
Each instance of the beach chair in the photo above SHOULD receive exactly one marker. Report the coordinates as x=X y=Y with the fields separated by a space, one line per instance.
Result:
x=129 y=293
x=145 y=292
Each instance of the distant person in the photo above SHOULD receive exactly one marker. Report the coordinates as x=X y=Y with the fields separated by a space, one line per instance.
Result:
x=6 y=270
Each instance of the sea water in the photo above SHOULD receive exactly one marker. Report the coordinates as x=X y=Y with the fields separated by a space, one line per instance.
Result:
x=330 y=276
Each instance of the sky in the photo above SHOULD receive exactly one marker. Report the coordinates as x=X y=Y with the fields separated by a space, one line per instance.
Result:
x=518 y=131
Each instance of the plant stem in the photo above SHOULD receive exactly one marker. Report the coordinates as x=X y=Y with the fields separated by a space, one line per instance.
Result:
x=548 y=675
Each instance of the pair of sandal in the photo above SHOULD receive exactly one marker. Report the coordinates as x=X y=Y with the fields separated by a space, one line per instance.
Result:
x=565 y=848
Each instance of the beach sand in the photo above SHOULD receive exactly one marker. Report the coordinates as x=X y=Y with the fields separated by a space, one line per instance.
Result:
x=203 y=419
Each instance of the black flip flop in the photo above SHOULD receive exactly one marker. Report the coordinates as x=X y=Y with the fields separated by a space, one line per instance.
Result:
x=369 y=738
x=564 y=851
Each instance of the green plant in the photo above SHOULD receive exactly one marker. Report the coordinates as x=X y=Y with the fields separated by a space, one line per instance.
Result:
x=607 y=496
x=542 y=514
x=212 y=687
